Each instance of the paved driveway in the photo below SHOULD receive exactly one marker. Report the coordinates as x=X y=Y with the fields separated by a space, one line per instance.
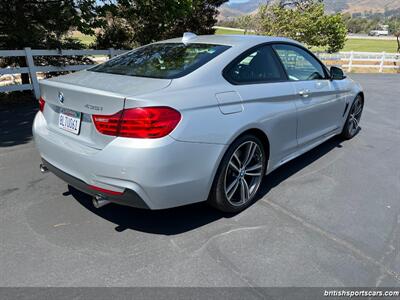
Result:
x=331 y=217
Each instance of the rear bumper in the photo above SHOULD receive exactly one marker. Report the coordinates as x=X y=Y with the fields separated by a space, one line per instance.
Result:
x=128 y=197
x=153 y=173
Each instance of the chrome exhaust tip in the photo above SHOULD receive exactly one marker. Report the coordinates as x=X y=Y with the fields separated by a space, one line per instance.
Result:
x=43 y=169
x=99 y=201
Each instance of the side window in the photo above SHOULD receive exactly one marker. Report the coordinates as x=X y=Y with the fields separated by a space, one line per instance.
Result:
x=298 y=63
x=259 y=66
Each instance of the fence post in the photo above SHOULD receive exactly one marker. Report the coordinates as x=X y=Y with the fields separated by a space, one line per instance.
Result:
x=32 y=72
x=111 y=52
x=351 y=61
x=382 y=62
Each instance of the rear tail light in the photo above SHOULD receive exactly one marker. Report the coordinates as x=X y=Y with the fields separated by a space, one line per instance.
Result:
x=108 y=125
x=144 y=122
x=41 y=104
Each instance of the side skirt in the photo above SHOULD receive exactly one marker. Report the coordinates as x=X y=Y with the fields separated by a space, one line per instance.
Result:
x=303 y=150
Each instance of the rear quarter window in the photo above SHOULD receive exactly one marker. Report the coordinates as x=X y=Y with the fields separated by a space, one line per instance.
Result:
x=163 y=60
x=256 y=66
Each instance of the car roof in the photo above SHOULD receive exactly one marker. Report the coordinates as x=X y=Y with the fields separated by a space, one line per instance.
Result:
x=232 y=40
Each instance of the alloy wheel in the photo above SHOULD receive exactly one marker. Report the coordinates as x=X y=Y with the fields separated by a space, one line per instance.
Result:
x=244 y=173
x=355 y=116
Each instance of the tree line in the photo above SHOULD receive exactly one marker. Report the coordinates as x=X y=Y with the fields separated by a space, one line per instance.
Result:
x=129 y=23
x=361 y=24
x=302 y=20
x=307 y=21
x=115 y=23
x=123 y=24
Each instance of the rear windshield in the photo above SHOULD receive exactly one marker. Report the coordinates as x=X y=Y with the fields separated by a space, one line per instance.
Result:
x=167 y=60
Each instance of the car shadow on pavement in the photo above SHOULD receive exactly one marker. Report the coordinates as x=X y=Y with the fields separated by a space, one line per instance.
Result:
x=292 y=167
x=16 y=125
x=168 y=221
x=182 y=219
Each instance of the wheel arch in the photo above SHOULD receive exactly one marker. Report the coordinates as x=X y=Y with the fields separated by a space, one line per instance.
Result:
x=252 y=131
x=259 y=134
x=361 y=93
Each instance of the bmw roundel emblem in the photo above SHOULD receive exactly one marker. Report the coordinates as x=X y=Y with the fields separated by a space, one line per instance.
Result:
x=61 y=97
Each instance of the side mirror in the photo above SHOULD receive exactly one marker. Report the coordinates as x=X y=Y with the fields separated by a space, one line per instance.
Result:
x=337 y=73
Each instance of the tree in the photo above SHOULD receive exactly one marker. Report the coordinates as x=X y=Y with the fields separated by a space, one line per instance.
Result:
x=305 y=21
x=117 y=33
x=44 y=24
x=245 y=22
x=394 y=27
x=151 y=20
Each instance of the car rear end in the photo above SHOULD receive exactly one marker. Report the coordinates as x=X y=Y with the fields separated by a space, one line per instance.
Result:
x=104 y=135
x=75 y=132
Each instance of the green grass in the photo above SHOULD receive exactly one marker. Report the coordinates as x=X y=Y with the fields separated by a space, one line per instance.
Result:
x=228 y=31
x=366 y=45
x=83 y=38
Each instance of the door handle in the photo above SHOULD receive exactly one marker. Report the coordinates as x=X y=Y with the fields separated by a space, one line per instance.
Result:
x=304 y=93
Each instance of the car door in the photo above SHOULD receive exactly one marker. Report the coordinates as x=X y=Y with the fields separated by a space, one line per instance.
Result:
x=319 y=105
x=268 y=98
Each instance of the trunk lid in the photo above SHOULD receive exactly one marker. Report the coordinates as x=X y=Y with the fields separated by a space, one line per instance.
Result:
x=85 y=93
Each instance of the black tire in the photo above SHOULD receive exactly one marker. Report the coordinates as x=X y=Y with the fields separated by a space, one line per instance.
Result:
x=351 y=126
x=218 y=196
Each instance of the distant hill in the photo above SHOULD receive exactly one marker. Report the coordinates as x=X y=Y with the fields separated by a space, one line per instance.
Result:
x=247 y=7
x=229 y=10
x=356 y=6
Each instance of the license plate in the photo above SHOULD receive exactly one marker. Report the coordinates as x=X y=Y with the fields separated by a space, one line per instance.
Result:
x=69 y=120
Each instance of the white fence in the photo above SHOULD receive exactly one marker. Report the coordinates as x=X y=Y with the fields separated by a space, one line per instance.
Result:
x=32 y=70
x=347 y=60
x=378 y=61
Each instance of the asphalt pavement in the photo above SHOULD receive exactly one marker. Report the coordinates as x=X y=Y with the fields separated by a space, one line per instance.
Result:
x=329 y=218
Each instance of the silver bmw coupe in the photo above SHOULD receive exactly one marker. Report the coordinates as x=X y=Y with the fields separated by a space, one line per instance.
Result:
x=198 y=118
